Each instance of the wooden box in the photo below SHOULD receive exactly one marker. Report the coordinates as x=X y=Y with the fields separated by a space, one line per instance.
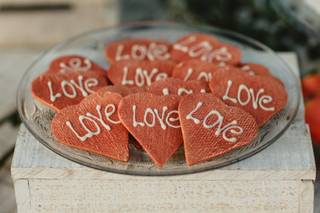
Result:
x=280 y=179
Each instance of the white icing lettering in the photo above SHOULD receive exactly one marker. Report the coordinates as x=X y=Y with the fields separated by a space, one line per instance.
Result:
x=171 y=119
x=159 y=52
x=189 y=73
x=165 y=91
x=203 y=50
x=248 y=69
x=95 y=120
x=125 y=76
x=245 y=95
x=75 y=64
x=221 y=54
x=138 y=52
x=206 y=76
x=183 y=46
x=53 y=96
x=71 y=92
x=135 y=122
x=182 y=91
x=152 y=52
x=152 y=116
x=142 y=77
x=70 y=89
x=89 y=133
x=119 y=55
x=217 y=120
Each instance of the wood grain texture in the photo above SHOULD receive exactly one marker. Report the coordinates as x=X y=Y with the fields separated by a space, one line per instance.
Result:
x=278 y=179
x=14 y=63
x=317 y=197
x=7 y=198
x=8 y=134
x=152 y=195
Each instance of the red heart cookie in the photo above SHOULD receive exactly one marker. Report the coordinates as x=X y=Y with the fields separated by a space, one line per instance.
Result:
x=139 y=73
x=173 y=86
x=254 y=69
x=67 y=63
x=58 y=90
x=206 y=48
x=121 y=90
x=138 y=49
x=261 y=96
x=154 y=122
x=210 y=128
x=194 y=70
x=93 y=125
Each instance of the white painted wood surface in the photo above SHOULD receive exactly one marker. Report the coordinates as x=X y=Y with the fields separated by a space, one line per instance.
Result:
x=317 y=197
x=7 y=199
x=8 y=134
x=278 y=179
x=14 y=63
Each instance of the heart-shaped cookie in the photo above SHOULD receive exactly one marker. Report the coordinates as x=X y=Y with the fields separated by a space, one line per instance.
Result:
x=138 y=49
x=139 y=73
x=154 y=122
x=120 y=89
x=93 y=125
x=254 y=69
x=173 y=86
x=58 y=90
x=261 y=96
x=210 y=128
x=194 y=70
x=206 y=48
x=71 y=63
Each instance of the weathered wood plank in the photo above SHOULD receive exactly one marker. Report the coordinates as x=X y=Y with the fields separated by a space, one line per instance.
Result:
x=152 y=196
x=7 y=197
x=13 y=65
x=317 y=197
x=8 y=134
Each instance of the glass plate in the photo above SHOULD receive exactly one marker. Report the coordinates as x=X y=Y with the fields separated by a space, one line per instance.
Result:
x=37 y=118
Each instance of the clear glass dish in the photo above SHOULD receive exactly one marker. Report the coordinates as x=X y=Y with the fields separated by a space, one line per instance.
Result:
x=91 y=44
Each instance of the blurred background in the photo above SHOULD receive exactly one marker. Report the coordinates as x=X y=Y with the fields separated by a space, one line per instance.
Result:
x=28 y=27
